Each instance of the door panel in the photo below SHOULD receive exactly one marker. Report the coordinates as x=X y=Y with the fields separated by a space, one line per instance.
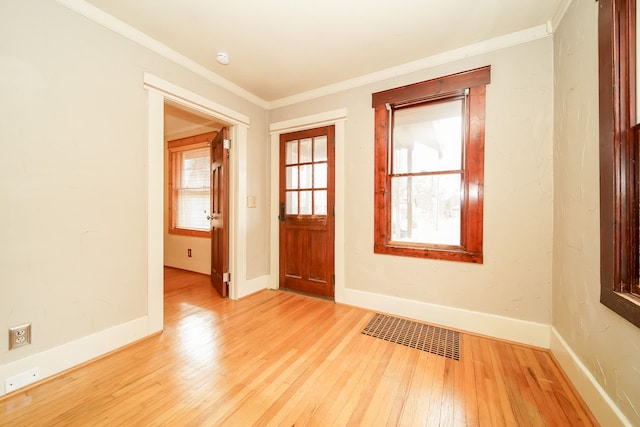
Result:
x=219 y=212
x=306 y=217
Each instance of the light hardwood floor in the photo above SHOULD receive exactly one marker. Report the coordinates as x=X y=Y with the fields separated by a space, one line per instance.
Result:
x=282 y=359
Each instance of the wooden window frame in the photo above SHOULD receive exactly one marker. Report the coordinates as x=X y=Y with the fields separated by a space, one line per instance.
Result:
x=470 y=248
x=184 y=144
x=619 y=195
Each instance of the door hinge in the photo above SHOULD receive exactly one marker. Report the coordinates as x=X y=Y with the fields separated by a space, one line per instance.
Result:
x=334 y=280
x=226 y=144
x=226 y=277
x=334 y=210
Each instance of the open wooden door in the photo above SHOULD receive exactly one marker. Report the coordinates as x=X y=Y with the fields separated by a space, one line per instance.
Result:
x=219 y=216
x=307 y=211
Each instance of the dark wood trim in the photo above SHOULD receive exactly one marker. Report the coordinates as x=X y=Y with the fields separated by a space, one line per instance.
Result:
x=471 y=235
x=619 y=270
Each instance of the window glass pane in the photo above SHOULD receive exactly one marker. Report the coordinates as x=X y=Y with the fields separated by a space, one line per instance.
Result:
x=195 y=168
x=191 y=209
x=292 y=203
x=305 y=203
x=320 y=149
x=426 y=209
x=305 y=176
x=191 y=189
x=428 y=138
x=320 y=202
x=305 y=150
x=320 y=175
x=291 y=155
x=292 y=177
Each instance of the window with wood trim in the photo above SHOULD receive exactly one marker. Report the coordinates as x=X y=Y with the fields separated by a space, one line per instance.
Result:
x=429 y=168
x=189 y=185
x=619 y=189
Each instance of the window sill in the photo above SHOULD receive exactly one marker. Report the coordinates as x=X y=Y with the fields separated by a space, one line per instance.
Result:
x=448 y=254
x=625 y=305
x=190 y=233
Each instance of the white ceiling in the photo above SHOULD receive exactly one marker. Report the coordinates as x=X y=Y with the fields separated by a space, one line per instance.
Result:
x=280 y=48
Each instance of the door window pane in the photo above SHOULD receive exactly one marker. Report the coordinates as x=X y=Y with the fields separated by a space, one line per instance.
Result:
x=320 y=175
x=320 y=202
x=426 y=209
x=292 y=177
x=305 y=176
x=305 y=203
x=320 y=149
x=291 y=154
x=305 y=150
x=292 y=203
x=428 y=138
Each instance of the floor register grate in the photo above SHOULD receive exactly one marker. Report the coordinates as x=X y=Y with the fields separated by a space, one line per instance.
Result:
x=431 y=339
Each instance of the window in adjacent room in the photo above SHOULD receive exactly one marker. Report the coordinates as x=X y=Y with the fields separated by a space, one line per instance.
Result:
x=619 y=160
x=429 y=167
x=189 y=185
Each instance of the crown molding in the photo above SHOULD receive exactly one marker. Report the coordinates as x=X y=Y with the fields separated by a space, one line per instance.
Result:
x=108 y=21
x=519 y=37
x=486 y=46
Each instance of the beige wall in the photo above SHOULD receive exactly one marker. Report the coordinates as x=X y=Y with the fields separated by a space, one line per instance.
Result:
x=515 y=280
x=604 y=342
x=73 y=175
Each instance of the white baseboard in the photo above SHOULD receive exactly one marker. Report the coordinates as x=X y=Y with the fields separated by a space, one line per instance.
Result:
x=66 y=356
x=602 y=407
x=521 y=331
x=252 y=285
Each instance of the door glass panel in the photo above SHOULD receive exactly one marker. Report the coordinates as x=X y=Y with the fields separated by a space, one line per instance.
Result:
x=292 y=203
x=428 y=138
x=305 y=176
x=305 y=203
x=426 y=209
x=320 y=202
x=292 y=178
x=305 y=150
x=320 y=149
x=291 y=155
x=320 y=175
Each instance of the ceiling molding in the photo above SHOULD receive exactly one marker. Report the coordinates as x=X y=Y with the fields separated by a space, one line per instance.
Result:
x=508 y=40
x=108 y=21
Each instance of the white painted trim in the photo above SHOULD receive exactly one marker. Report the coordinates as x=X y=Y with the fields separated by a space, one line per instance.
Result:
x=58 y=359
x=336 y=118
x=561 y=10
x=254 y=285
x=155 y=211
x=108 y=21
x=507 y=328
x=483 y=47
x=159 y=90
x=190 y=99
x=601 y=405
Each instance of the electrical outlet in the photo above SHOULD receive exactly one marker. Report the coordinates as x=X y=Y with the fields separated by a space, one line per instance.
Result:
x=189 y=253
x=19 y=336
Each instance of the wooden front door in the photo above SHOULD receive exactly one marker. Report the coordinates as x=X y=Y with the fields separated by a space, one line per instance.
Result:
x=220 y=213
x=307 y=211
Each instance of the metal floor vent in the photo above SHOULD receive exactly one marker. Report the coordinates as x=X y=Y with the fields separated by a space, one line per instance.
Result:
x=431 y=339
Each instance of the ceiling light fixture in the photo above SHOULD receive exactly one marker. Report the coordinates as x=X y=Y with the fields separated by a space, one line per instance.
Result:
x=222 y=58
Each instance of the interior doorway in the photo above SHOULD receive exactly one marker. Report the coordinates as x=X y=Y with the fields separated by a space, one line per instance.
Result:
x=160 y=91
x=187 y=244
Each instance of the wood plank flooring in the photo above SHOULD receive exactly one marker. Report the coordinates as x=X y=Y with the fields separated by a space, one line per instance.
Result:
x=282 y=359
